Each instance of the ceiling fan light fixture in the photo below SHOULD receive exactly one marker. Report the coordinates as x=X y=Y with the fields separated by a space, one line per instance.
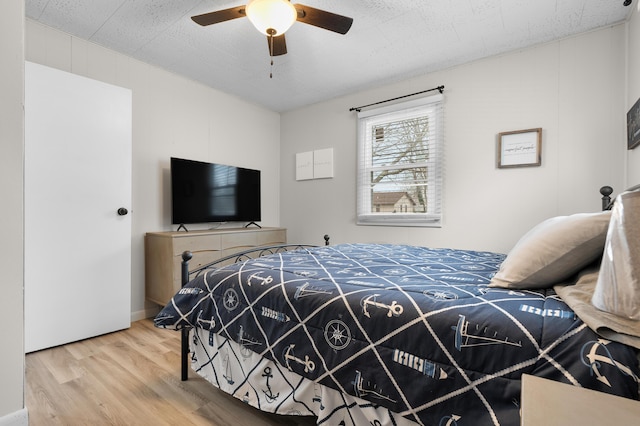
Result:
x=271 y=15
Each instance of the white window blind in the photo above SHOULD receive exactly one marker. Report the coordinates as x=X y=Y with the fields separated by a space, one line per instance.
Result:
x=400 y=163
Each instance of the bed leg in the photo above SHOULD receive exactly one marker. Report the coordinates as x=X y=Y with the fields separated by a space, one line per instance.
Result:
x=184 y=357
x=184 y=333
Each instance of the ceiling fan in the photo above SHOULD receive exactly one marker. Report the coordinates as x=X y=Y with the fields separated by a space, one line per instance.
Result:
x=274 y=17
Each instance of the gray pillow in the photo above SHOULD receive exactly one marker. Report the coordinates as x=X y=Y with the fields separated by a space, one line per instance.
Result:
x=554 y=250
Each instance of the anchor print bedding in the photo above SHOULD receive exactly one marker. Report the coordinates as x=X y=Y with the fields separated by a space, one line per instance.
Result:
x=387 y=334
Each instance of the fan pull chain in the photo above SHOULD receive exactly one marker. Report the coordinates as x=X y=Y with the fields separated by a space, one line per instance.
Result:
x=271 y=55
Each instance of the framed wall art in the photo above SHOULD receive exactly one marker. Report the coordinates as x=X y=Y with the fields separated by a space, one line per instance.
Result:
x=520 y=148
x=633 y=126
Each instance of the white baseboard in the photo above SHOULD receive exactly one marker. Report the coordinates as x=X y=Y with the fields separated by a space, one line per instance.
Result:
x=18 y=418
x=146 y=313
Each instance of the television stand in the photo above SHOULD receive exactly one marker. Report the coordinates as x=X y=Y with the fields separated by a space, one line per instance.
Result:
x=182 y=227
x=252 y=223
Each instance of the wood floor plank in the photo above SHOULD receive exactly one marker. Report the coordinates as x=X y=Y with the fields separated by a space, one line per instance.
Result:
x=142 y=402
x=38 y=393
x=60 y=365
x=167 y=386
x=131 y=377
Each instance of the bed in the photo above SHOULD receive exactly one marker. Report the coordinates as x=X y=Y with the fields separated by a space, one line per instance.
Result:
x=382 y=334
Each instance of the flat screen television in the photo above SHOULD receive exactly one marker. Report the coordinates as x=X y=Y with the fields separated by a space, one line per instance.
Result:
x=207 y=192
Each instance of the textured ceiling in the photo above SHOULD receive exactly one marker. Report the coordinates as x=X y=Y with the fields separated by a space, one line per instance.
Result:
x=390 y=40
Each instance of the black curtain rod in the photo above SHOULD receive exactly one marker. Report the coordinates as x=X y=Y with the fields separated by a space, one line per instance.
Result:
x=439 y=88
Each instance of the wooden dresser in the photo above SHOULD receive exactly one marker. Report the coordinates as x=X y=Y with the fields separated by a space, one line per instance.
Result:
x=163 y=253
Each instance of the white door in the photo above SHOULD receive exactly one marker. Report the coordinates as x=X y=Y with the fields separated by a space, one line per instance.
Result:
x=77 y=177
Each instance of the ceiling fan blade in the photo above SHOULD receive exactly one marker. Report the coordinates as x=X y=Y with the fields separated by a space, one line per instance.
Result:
x=279 y=45
x=219 y=16
x=323 y=19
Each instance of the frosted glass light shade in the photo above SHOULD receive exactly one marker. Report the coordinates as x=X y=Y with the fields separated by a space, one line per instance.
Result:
x=276 y=15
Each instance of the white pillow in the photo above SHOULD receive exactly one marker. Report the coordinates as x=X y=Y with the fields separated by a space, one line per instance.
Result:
x=554 y=250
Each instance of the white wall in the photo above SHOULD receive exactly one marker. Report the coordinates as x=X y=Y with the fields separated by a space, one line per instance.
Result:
x=571 y=88
x=633 y=89
x=11 y=215
x=172 y=116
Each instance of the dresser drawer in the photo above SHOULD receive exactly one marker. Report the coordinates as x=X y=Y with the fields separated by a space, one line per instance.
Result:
x=197 y=242
x=238 y=241
x=278 y=236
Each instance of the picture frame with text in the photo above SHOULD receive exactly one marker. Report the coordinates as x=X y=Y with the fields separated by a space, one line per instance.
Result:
x=520 y=148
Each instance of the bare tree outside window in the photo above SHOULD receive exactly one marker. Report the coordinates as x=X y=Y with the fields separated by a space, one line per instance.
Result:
x=399 y=152
x=400 y=162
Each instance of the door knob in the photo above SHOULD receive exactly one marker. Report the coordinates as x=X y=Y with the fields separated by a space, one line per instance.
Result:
x=122 y=211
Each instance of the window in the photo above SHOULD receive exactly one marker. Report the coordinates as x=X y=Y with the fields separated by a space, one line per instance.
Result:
x=400 y=163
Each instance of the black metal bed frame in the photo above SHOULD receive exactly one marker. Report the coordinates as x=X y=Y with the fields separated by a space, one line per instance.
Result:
x=187 y=276
x=606 y=191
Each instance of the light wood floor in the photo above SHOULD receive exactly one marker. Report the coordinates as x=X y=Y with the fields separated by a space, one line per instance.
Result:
x=131 y=377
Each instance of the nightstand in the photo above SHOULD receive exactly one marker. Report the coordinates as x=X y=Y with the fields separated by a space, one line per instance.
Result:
x=549 y=403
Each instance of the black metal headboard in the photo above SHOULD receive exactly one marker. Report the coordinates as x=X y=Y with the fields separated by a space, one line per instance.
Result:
x=251 y=253
x=606 y=192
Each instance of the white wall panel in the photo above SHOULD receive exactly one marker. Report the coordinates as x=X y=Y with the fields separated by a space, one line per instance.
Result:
x=633 y=91
x=591 y=131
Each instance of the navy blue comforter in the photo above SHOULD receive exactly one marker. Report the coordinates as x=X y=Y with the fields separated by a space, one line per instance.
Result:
x=410 y=328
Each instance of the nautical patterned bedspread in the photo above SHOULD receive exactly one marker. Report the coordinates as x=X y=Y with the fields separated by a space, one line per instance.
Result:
x=412 y=329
